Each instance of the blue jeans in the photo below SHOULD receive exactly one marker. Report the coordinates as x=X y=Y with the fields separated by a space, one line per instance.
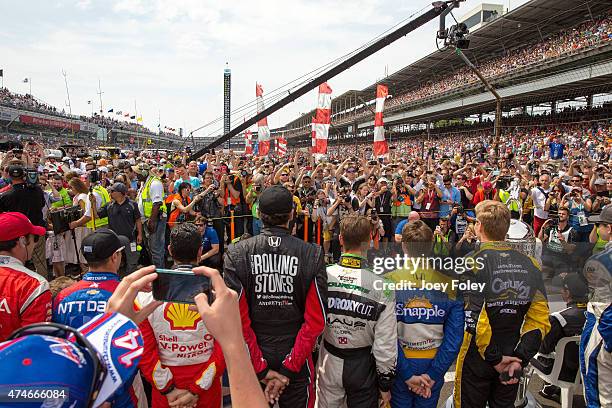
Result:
x=257 y=226
x=157 y=244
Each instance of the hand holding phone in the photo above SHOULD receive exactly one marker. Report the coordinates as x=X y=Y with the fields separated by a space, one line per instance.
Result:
x=180 y=286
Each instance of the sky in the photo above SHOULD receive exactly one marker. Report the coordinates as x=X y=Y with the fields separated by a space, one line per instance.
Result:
x=165 y=58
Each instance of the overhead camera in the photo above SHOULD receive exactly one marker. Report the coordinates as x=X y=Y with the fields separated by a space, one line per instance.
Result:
x=456 y=36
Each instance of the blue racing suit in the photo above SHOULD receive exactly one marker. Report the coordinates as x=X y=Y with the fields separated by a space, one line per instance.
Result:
x=78 y=304
x=430 y=331
x=596 y=340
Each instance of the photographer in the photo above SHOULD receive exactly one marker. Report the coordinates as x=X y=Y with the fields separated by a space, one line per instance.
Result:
x=383 y=205
x=429 y=199
x=181 y=207
x=559 y=240
x=401 y=194
x=340 y=208
x=252 y=199
x=580 y=209
x=211 y=205
x=307 y=195
x=27 y=197
x=319 y=216
x=377 y=227
x=231 y=185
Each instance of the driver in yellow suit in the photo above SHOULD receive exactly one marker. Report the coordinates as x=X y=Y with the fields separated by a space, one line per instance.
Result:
x=505 y=322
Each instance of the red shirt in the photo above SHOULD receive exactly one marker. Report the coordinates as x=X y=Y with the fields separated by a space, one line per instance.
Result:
x=24 y=297
x=472 y=184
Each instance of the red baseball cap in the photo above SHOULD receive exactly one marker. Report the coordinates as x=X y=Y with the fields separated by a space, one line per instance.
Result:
x=15 y=224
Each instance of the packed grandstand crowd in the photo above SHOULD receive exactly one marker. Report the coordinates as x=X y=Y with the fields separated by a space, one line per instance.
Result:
x=30 y=103
x=560 y=45
x=295 y=247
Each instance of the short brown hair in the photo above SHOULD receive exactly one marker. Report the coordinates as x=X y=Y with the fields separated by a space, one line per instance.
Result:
x=417 y=238
x=78 y=185
x=355 y=230
x=494 y=218
x=60 y=283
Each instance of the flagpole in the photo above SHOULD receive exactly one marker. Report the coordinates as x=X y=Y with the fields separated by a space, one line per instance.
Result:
x=136 y=112
x=100 y=95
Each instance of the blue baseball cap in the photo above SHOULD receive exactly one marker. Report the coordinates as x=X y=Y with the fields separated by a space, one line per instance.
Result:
x=69 y=367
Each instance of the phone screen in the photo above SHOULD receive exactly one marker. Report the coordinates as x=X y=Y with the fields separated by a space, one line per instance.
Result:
x=180 y=286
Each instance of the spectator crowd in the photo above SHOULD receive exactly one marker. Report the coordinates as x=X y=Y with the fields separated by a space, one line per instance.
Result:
x=86 y=224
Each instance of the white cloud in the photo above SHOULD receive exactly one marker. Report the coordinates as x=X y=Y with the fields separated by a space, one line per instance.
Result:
x=169 y=55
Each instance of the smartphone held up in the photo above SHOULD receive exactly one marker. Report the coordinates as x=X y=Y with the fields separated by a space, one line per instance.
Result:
x=180 y=286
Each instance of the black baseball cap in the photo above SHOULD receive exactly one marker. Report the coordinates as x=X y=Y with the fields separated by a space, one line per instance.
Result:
x=276 y=200
x=118 y=187
x=605 y=217
x=101 y=244
x=576 y=285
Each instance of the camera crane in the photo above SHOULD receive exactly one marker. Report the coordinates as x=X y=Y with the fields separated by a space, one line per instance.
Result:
x=439 y=9
x=456 y=37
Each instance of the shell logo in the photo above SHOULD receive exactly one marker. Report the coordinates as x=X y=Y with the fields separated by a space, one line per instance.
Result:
x=180 y=317
x=418 y=302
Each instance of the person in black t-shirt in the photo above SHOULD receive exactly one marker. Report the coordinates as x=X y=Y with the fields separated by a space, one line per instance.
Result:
x=28 y=199
x=383 y=208
x=124 y=219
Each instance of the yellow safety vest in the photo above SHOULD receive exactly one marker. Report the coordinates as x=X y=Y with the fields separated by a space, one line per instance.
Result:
x=100 y=222
x=145 y=196
x=505 y=197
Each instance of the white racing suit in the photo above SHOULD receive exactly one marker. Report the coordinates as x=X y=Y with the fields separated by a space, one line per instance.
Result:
x=358 y=356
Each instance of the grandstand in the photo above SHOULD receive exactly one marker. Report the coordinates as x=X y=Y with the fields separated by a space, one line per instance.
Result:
x=24 y=116
x=544 y=55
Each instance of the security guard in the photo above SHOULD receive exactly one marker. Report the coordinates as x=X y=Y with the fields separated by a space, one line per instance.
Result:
x=153 y=209
x=100 y=198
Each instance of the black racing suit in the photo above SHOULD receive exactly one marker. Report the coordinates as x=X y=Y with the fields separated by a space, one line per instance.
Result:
x=282 y=284
x=565 y=323
x=508 y=316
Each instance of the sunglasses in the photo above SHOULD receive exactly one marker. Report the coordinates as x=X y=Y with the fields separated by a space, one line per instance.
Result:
x=74 y=336
x=284 y=175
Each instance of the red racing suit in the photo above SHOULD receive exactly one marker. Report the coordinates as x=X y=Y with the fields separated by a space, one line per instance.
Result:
x=24 y=297
x=180 y=352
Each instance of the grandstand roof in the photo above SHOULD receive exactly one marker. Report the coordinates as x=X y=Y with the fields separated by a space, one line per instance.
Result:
x=528 y=23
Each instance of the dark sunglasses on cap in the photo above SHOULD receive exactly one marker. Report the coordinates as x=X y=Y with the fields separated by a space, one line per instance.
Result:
x=72 y=335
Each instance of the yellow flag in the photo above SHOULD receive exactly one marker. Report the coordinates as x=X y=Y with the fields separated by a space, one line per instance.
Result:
x=139 y=119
